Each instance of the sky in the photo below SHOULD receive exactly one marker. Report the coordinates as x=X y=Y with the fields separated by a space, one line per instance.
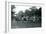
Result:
x=22 y=8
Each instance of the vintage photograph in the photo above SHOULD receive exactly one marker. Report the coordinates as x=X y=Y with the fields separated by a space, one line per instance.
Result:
x=23 y=16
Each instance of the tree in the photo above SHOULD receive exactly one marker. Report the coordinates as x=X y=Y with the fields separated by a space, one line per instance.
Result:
x=27 y=12
x=20 y=15
x=12 y=12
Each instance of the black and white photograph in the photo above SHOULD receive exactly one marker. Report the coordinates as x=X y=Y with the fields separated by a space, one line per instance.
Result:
x=26 y=16
x=22 y=16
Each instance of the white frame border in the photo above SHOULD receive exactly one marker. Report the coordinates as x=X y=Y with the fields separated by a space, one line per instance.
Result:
x=7 y=25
